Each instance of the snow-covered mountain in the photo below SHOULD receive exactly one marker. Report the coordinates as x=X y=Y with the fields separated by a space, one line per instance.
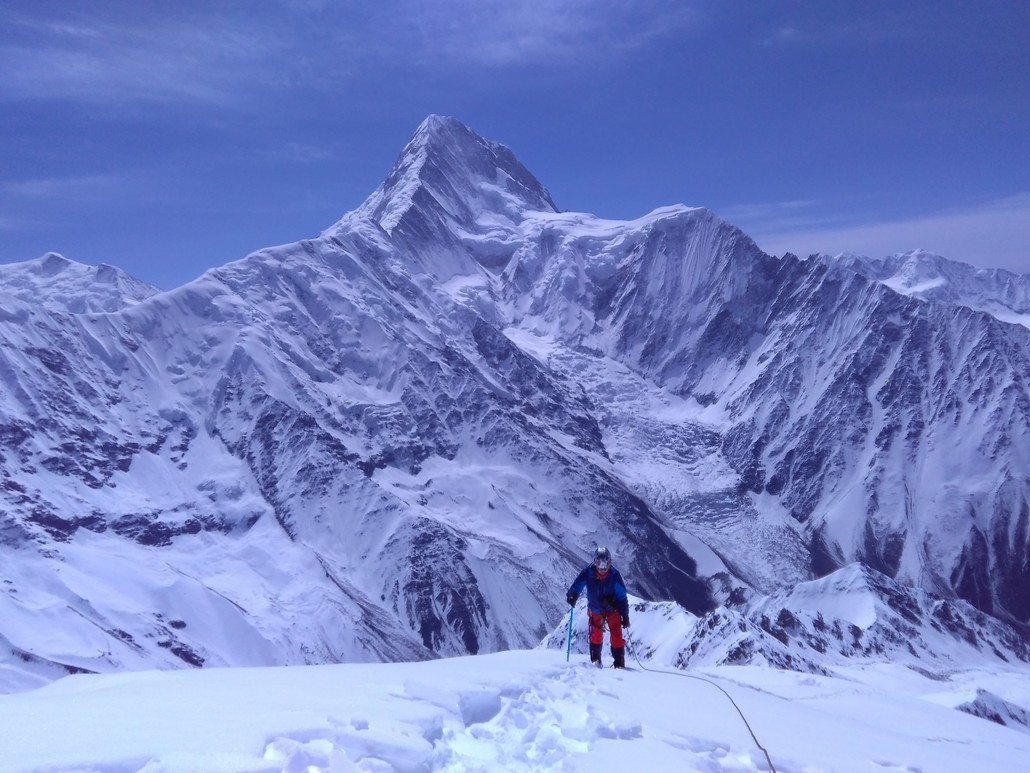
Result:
x=56 y=282
x=401 y=439
x=930 y=277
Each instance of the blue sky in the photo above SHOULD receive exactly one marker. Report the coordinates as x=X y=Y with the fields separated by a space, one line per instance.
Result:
x=168 y=138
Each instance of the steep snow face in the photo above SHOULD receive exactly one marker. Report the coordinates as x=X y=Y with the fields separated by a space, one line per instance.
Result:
x=631 y=287
x=55 y=282
x=889 y=431
x=451 y=196
x=893 y=430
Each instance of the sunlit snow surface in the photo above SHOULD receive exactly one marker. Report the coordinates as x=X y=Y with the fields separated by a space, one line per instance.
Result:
x=72 y=286
x=513 y=711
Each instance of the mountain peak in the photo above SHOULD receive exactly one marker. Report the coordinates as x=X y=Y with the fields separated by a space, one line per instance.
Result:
x=441 y=125
x=53 y=281
x=449 y=175
x=50 y=264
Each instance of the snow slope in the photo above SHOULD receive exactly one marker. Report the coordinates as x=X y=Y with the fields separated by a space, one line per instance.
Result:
x=57 y=282
x=717 y=693
x=512 y=711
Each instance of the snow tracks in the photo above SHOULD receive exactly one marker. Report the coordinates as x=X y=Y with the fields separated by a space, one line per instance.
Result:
x=564 y=721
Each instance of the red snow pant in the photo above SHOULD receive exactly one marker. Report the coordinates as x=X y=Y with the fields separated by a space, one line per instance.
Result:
x=597 y=621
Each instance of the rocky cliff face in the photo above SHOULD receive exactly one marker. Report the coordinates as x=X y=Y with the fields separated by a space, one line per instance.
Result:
x=402 y=438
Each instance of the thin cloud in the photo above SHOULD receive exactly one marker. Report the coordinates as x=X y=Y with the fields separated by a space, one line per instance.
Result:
x=516 y=32
x=834 y=33
x=230 y=55
x=11 y=224
x=43 y=202
x=779 y=212
x=300 y=152
x=992 y=234
x=61 y=188
x=51 y=187
x=786 y=35
x=139 y=60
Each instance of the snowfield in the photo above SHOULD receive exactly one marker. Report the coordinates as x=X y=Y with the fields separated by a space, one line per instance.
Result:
x=526 y=710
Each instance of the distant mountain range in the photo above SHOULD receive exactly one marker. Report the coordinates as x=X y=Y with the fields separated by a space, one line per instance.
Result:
x=401 y=439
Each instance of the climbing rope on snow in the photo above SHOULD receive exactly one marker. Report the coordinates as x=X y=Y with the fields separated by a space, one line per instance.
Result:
x=716 y=686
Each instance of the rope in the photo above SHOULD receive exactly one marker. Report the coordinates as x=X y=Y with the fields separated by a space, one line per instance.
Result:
x=717 y=687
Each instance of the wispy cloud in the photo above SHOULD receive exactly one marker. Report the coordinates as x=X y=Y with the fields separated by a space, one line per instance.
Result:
x=303 y=153
x=225 y=54
x=838 y=31
x=10 y=223
x=42 y=202
x=783 y=214
x=505 y=32
x=785 y=35
x=989 y=234
x=111 y=60
x=60 y=187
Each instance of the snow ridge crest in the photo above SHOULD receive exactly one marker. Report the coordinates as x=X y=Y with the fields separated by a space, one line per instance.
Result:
x=57 y=283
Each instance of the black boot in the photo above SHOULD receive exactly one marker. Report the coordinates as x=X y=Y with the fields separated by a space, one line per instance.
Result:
x=619 y=655
x=595 y=654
